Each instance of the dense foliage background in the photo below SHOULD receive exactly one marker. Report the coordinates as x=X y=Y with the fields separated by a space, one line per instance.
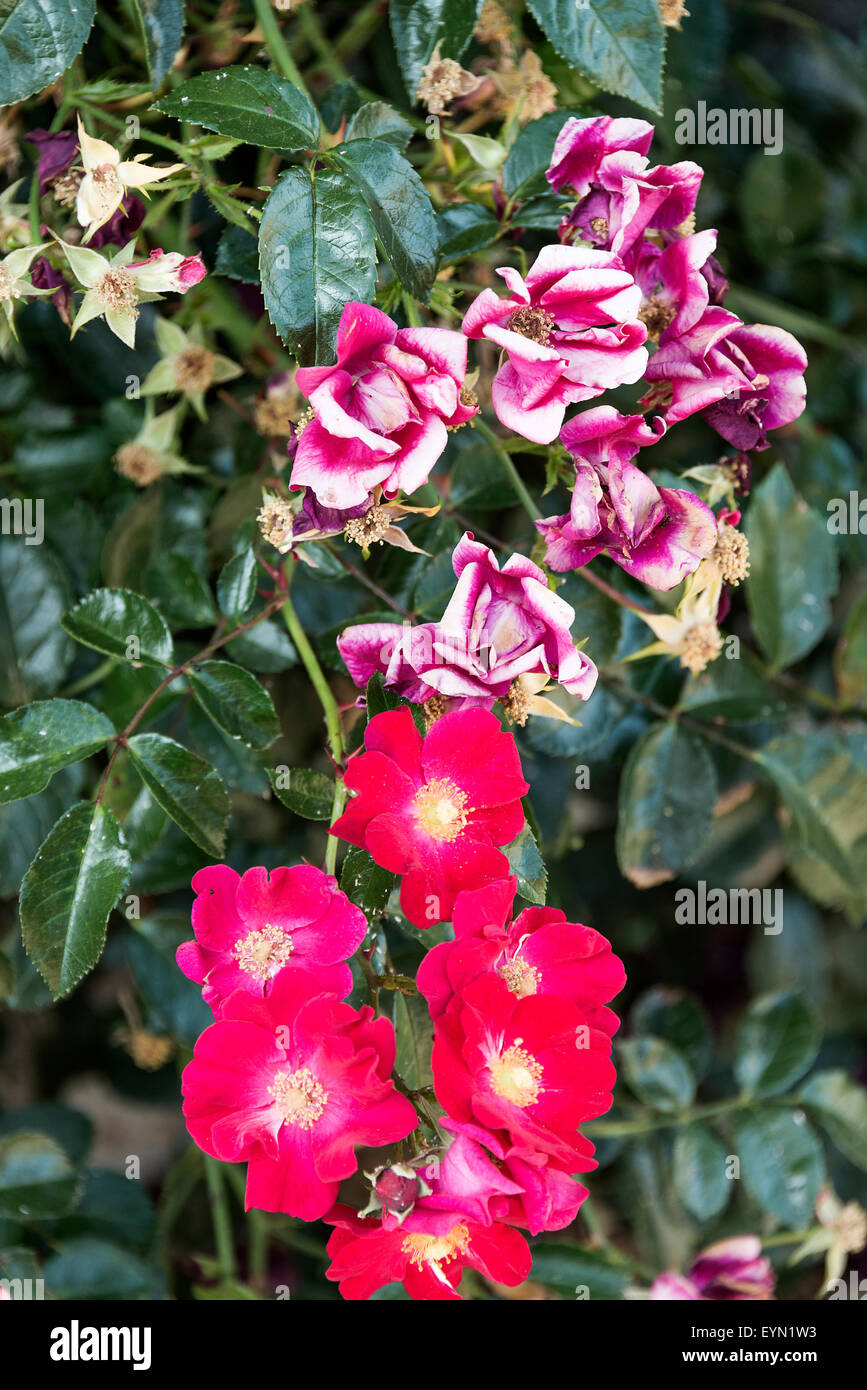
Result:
x=735 y=1041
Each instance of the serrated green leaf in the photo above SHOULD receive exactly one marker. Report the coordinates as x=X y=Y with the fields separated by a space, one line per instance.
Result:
x=399 y=208
x=414 y=1038
x=465 y=228
x=667 y=794
x=618 y=44
x=527 y=863
x=365 y=882
x=316 y=253
x=38 y=41
x=162 y=25
x=33 y=597
x=120 y=623
x=839 y=1105
x=76 y=878
x=376 y=120
x=782 y=1165
x=236 y=702
x=822 y=780
x=188 y=789
x=247 y=103
x=699 y=1171
x=657 y=1073
x=39 y=739
x=777 y=1042
x=793 y=570
x=36 y=1177
x=309 y=794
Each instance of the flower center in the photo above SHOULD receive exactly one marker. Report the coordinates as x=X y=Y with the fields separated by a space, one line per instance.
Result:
x=701 y=644
x=656 y=313
x=519 y=976
x=599 y=227
x=434 y=1250
x=299 y=1097
x=194 y=369
x=440 y=808
x=261 y=953
x=532 y=323
x=369 y=529
x=117 y=290
x=516 y=1075
x=138 y=463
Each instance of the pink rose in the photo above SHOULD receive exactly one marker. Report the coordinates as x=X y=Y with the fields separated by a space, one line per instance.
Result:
x=381 y=414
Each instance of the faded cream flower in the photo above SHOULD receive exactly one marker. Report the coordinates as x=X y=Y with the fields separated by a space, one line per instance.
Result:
x=842 y=1232
x=152 y=453
x=186 y=366
x=107 y=179
x=15 y=284
x=441 y=81
x=275 y=410
x=493 y=25
x=671 y=12
x=524 y=88
x=691 y=632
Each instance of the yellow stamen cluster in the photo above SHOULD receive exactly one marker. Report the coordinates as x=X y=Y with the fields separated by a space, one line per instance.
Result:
x=516 y=1076
x=65 y=187
x=149 y=1051
x=657 y=313
x=117 y=290
x=731 y=554
x=434 y=709
x=516 y=704
x=194 y=369
x=369 y=529
x=701 y=645
x=263 y=951
x=535 y=324
x=519 y=976
x=599 y=226
x=440 y=808
x=299 y=1097
x=423 y=1249
x=304 y=420
x=274 y=519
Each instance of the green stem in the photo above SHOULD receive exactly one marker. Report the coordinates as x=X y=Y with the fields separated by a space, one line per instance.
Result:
x=511 y=471
x=620 y=1129
x=92 y=678
x=329 y=709
x=221 y=1218
x=310 y=27
x=257 y=1249
x=278 y=49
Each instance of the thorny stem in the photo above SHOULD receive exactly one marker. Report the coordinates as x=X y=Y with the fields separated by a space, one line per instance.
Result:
x=329 y=709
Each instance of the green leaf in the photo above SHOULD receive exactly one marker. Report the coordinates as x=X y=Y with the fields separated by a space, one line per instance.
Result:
x=316 y=253
x=465 y=228
x=793 y=570
x=309 y=794
x=33 y=597
x=419 y=25
x=699 y=1172
x=122 y=624
x=236 y=702
x=179 y=592
x=400 y=210
x=247 y=103
x=39 y=739
x=850 y=657
x=777 y=1041
x=87 y=1268
x=667 y=795
x=658 y=1074
x=729 y=689
x=678 y=1018
x=174 y=1003
x=839 y=1105
x=823 y=783
x=526 y=862
x=38 y=41
x=570 y=1269
x=530 y=156
x=364 y=882
x=618 y=44
x=36 y=1177
x=782 y=1165
x=236 y=585
x=188 y=789
x=77 y=876
x=162 y=25
x=376 y=120
x=414 y=1038
x=266 y=647
x=238 y=256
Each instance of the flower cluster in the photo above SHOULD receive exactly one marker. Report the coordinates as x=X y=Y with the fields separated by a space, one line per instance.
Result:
x=288 y=1077
x=522 y=1029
